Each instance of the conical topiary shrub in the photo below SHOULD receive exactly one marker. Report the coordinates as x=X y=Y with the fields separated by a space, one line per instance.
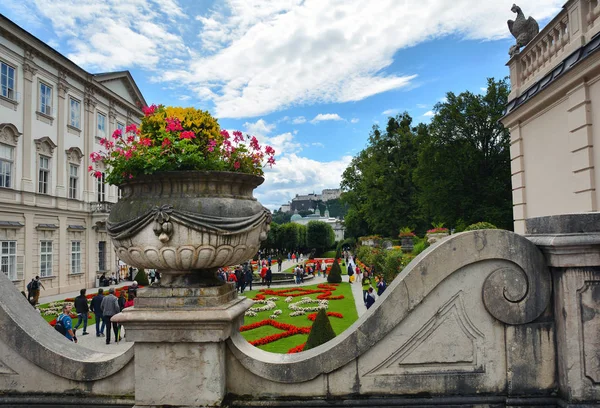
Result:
x=335 y=274
x=321 y=331
x=141 y=278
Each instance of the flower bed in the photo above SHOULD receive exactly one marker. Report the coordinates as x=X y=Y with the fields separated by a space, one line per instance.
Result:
x=291 y=303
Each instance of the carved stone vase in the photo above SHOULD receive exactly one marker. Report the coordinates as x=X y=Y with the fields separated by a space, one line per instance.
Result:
x=435 y=237
x=187 y=224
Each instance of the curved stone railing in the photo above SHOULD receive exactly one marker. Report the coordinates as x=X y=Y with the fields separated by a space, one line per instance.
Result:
x=514 y=294
x=24 y=330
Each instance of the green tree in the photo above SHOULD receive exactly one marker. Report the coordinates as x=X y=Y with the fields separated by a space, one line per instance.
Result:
x=463 y=171
x=280 y=217
x=335 y=274
x=319 y=235
x=321 y=331
x=378 y=184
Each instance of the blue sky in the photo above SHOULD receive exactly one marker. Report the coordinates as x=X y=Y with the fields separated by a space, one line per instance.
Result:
x=310 y=77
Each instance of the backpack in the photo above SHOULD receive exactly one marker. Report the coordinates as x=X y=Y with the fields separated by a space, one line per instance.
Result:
x=60 y=326
x=30 y=286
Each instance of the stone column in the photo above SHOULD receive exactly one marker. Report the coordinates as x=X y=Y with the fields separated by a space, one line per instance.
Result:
x=29 y=71
x=63 y=88
x=571 y=244
x=517 y=169
x=179 y=336
x=89 y=136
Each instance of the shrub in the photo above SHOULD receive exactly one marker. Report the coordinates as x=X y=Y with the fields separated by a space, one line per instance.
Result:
x=335 y=274
x=141 y=278
x=394 y=263
x=420 y=246
x=480 y=226
x=321 y=331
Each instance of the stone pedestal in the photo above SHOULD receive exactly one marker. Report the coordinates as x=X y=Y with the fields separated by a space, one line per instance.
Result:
x=571 y=244
x=179 y=336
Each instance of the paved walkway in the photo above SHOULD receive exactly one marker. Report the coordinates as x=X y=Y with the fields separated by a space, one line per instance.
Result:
x=91 y=341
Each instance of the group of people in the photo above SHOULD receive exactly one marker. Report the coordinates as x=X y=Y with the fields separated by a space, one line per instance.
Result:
x=103 y=307
x=366 y=278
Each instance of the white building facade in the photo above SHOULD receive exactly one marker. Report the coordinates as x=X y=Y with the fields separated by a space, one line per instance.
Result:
x=52 y=116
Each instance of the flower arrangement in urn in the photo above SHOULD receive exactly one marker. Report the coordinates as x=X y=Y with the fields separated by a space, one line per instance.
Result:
x=177 y=139
x=187 y=203
x=437 y=233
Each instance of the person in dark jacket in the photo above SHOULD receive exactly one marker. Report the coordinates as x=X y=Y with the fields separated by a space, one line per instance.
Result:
x=95 y=308
x=110 y=307
x=269 y=277
x=370 y=299
x=249 y=276
x=122 y=300
x=82 y=309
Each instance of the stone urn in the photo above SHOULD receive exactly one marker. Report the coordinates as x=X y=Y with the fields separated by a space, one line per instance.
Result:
x=406 y=243
x=432 y=238
x=187 y=224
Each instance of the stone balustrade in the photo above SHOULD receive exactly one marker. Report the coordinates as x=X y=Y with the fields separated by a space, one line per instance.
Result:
x=574 y=26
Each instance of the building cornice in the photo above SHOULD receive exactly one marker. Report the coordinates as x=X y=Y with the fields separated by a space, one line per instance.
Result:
x=37 y=48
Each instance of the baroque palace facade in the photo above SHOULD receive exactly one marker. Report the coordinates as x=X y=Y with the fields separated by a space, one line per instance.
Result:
x=52 y=116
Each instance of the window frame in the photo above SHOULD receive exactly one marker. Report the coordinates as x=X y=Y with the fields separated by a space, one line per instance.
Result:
x=8 y=257
x=8 y=162
x=101 y=188
x=46 y=258
x=44 y=171
x=13 y=96
x=102 y=255
x=101 y=132
x=73 y=181
x=45 y=98
x=75 y=258
x=77 y=125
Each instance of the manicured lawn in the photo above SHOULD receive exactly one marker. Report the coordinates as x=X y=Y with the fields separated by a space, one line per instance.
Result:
x=344 y=306
x=328 y=254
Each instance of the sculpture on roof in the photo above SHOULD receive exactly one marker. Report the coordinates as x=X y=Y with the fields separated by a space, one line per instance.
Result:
x=524 y=30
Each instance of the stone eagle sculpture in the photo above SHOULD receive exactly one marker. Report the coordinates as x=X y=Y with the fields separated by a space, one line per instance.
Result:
x=524 y=30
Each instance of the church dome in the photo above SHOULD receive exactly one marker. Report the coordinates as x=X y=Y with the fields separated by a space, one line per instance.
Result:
x=296 y=217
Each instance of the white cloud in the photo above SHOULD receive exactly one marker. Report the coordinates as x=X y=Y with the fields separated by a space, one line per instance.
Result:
x=354 y=120
x=294 y=174
x=184 y=97
x=260 y=127
x=483 y=89
x=443 y=100
x=299 y=120
x=428 y=114
x=389 y=112
x=422 y=106
x=318 y=144
x=252 y=57
x=326 y=116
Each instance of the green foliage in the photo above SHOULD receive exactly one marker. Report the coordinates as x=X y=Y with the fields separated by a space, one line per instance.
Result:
x=480 y=226
x=321 y=331
x=335 y=274
x=463 y=170
x=420 y=245
x=280 y=217
x=141 y=278
x=319 y=235
x=291 y=237
x=394 y=263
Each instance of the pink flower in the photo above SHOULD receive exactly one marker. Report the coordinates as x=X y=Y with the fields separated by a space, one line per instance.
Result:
x=90 y=168
x=149 y=110
x=254 y=143
x=269 y=150
x=236 y=165
x=117 y=133
x=128 y=154
x=130 y=138
x=102 y=141
x=95 y=156
x=211 y=145
x=132 y=128
x=238 y=136
x=166 y=142
x=173 y=125
x=187 y=135
x=131 y=176
x=98 y=174
x=225 y=134
x=146 y=141
x=271 y=161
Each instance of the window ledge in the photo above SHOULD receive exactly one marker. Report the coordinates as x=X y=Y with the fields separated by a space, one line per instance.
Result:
x=73 y=130
x=8 y=103
x=44 y=118
x=47 y=277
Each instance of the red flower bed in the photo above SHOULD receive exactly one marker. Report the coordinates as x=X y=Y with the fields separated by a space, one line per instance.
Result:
x=325 y=289
x=73 y=316
x=117 y=293
x=313 y=316
x=297 y=349
x=290 y=330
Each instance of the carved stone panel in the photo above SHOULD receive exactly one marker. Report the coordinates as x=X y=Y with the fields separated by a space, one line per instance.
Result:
x=74 y=155
x=45 y=146
x=9 y=134
x=5 y=370
x=590 y=317
x=448 y=342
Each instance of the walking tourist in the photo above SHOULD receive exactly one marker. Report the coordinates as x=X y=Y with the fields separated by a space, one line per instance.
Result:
x=82 y=309
x=370 y=298
x=366 y=284
x=323 y=268
x=110 y=307
x=381 y=286
x=64 y=324
x=97 y=310
x=279 y=262
x=249 y=276
x=35 y=290
x=269 y=277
